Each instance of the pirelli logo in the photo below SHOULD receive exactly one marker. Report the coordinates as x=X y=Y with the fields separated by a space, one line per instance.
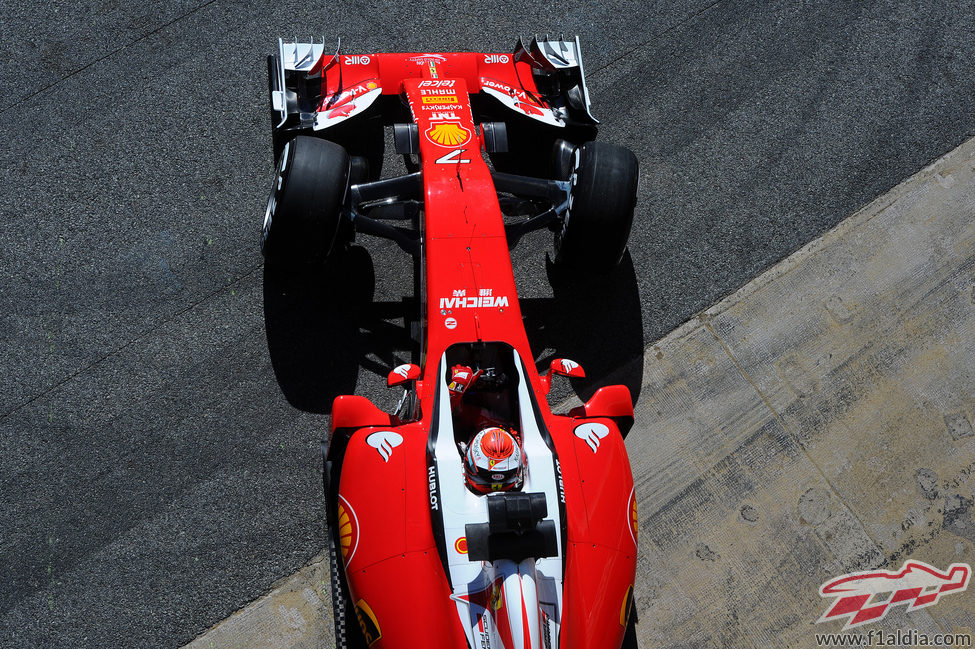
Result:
x=448 y=99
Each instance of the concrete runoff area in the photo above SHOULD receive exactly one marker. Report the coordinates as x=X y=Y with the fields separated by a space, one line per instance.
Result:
x=816 y=422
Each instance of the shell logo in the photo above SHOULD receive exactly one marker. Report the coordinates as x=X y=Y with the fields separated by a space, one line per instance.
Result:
x=461 y=545
x=448 y=134
x=348 y=524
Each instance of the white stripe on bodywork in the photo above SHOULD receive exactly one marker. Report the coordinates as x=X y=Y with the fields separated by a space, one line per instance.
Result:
x=460 y=506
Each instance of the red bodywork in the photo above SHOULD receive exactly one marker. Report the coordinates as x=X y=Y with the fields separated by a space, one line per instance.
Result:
x=388 y=492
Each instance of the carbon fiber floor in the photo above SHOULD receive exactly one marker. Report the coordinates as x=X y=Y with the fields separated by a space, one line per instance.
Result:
x=157 y=471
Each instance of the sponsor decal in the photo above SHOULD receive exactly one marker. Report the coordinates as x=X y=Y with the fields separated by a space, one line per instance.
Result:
x=452 y=99
x=461 y=545
x=505 y=88
x=448 y=133
x=348 y=95
x=439 y=106
x=634 y=523
x=592 y=433
x=496 y=600
x=341 y=111
x=432 y=483
x=356 y=60
x=864 y=597
x=496 y=58
x=402 y=370
x=437 y=83
x=528 y=109
x=625 y=608
x=473 y=302
x=368 y=622
x=558 y=477
x=568 y=366
x=450 y=323
x=384 y=442
x=424 y=59
x=496 y=476
x=348 y=524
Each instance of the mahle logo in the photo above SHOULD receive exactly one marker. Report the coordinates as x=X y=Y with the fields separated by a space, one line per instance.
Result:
x=863 y=597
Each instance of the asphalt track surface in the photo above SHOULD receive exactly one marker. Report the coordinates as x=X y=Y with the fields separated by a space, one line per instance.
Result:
x=162 y=404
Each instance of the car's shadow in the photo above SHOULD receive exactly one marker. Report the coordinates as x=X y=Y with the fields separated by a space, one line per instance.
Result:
x=595 y=320
x=322 y=327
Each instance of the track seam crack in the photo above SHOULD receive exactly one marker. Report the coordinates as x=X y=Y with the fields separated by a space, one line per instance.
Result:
x=679 y=23
x=128 y=344
x=105 y=56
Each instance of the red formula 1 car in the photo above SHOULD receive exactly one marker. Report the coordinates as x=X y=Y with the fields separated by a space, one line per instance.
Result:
x=474 y=516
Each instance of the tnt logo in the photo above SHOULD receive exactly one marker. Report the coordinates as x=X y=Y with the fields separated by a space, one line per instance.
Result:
x=863 y=597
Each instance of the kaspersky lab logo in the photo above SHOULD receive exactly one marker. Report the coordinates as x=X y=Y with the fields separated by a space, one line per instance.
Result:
x=864 y=597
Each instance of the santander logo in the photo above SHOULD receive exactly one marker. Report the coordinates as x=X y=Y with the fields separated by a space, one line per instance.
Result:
x=591 y=434
x=384 y=442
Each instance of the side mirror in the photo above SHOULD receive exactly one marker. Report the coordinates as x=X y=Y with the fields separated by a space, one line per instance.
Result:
x=562 y=367
x=352 y=411
x=403 y=373
x=612 y=401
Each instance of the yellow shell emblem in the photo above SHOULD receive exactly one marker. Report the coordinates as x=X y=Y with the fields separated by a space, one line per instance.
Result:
x=634 y=520
x=345 y=532
x=448 y=134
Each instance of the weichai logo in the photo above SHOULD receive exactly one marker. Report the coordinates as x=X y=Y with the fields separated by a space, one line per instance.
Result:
x=473 y=302
x=863 y=597
x=448 y=133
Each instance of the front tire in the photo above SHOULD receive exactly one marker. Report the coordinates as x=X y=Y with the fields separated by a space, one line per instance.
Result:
x=304 y=209
x=597 y=223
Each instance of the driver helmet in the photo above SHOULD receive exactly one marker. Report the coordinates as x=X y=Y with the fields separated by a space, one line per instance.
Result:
x=494 y=461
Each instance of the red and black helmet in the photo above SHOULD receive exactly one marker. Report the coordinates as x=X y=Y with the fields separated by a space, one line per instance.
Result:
x=494 y=461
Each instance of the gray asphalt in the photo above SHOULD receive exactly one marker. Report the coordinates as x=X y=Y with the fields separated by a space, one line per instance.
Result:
x=159 y=441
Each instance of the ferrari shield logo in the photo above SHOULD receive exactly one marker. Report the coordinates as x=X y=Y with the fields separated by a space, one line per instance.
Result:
x=448 y=133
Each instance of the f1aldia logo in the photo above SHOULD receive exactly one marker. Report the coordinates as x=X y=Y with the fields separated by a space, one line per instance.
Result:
x=863 y=597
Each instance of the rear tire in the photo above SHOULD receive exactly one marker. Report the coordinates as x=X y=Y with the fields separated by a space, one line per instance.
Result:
x=597 y=224
x=304 y=210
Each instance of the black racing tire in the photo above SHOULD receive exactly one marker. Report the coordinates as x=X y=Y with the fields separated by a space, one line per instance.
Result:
x=597 y=224
x=304 y=209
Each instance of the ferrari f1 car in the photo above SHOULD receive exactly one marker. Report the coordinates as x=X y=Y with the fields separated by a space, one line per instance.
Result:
x=473 y=516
